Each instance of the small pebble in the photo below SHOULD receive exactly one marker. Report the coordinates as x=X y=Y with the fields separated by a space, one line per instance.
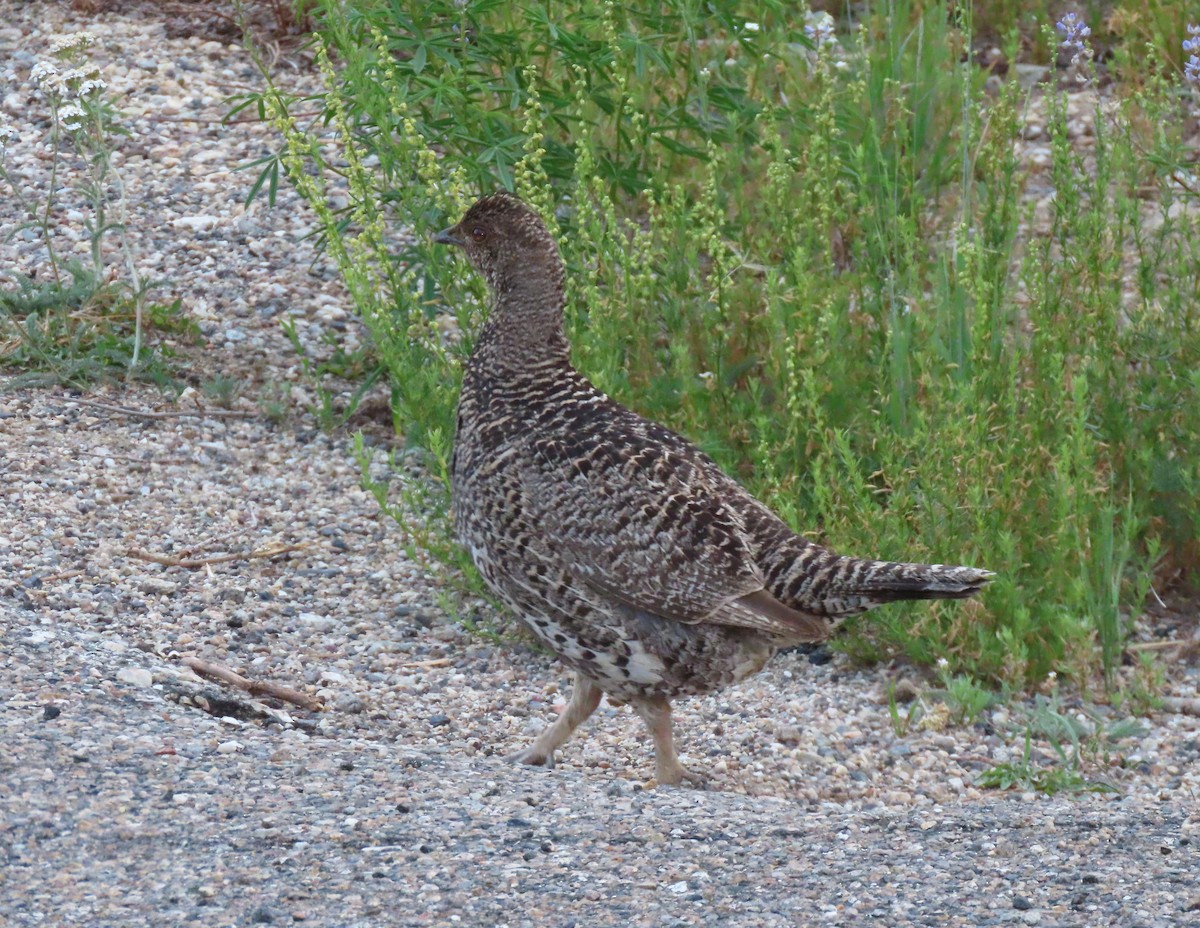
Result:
x=136 y=676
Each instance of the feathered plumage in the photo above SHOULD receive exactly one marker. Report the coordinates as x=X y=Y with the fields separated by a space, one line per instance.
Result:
x=627 y=550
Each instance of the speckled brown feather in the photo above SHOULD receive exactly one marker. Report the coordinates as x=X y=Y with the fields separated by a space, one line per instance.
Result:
x=626 y=549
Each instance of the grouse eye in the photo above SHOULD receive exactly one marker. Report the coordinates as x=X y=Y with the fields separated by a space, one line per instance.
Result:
x=478 y=234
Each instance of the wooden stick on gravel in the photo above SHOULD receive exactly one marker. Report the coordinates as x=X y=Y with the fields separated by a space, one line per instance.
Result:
x=253 y=687
x=167 y=414
x=1163 y=645
x=192 y=563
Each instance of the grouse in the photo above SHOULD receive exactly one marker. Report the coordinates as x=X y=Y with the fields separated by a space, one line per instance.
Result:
x=630 y=554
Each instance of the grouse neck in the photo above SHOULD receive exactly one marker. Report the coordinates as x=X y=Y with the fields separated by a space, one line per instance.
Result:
x=525 y=325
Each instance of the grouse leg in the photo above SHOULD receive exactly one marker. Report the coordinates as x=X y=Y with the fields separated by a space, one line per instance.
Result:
x=584 y=700
x=656 y=713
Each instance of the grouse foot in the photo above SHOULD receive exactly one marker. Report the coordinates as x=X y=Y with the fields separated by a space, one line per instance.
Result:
x=681 y=776
x=533 y=757
x=656 y=713
x=584 y=700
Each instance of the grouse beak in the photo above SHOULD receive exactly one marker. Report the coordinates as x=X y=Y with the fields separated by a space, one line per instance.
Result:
x=449 y=237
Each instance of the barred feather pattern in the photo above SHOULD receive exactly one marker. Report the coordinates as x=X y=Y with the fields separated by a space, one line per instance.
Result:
x=628 y=552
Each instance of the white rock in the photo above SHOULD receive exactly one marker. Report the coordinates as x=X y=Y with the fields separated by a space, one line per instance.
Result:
x=320 y=623
x=135 y=676
x=156 y=586
x=196 y=223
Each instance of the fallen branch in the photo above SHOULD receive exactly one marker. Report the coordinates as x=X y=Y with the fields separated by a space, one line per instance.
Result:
x=170 y=560
x=254 y=687
x=436 y=662
x=168 y=414
x=1158 y=645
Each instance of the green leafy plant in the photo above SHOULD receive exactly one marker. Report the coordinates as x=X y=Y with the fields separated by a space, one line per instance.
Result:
x=339 y=365
x=1081 y=740
x=275 y=401
x=966 y=697
x=222 y=389
x=1027 y=776
x=81 y=331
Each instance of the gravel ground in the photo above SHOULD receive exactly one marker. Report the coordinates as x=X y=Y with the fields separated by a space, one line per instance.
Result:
x=132 y=792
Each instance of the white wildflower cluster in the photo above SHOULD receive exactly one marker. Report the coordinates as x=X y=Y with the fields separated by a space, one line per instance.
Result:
x=84 y=80
x=72 y=88
x=78 y=82
x=71 y=116
x=66 y=45
x=91 y=85
x=43 y=73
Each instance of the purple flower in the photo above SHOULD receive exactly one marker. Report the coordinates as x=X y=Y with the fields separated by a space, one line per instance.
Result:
x=819 y=28
x=1191 y=69
x=1074 y=32
x=1192 y=45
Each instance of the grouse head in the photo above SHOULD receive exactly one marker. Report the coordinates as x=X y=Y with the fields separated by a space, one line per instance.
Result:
x=507 y=242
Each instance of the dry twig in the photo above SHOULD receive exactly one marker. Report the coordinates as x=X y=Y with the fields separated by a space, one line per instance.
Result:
x=168 y=414
x=192 y=563
x=1164 y=645
x=253 y=687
